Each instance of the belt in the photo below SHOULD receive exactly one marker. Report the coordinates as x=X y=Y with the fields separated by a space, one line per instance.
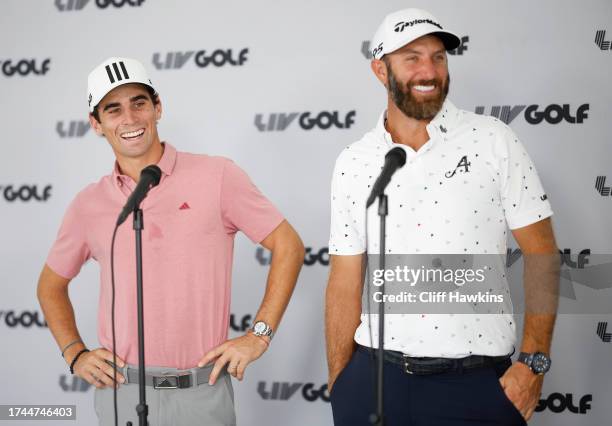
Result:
x=181 y=379
x=426 y=365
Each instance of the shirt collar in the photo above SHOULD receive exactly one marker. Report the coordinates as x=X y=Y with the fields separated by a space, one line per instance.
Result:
x=168 y=160
x=446 y=120
x=443 y=123
x=166 y=163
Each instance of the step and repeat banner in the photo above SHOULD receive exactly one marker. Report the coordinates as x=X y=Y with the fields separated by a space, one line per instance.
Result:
x=282 y=88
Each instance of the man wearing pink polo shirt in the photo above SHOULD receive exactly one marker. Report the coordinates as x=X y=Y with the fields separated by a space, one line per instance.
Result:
x=191 y=219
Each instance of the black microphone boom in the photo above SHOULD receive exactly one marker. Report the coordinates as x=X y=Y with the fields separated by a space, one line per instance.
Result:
x=394 y=159
x=149 y=177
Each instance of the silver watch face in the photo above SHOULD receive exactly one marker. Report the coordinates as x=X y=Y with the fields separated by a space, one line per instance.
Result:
x=540 y=363
x=259 y=327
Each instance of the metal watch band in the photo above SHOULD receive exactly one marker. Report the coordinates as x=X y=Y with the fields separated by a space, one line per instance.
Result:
x=528 y=360
x=261 y=328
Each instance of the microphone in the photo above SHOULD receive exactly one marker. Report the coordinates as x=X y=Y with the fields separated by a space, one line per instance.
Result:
x=149 y=177
x=394 y=159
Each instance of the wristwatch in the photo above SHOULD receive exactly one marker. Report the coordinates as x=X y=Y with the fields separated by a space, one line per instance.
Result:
x=261 y=328
x=538 y=362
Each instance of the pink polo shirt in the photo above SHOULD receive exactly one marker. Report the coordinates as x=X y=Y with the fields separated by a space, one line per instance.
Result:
x=190 y=220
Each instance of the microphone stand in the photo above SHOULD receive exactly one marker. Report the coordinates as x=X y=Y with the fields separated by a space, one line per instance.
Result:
x=377 y=419
x=142 y=409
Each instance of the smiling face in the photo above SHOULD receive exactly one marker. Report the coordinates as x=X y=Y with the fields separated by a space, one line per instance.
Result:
x=128 y=120
x=416 y=77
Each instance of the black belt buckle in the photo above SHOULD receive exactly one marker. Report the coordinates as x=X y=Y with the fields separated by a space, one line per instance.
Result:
x=173 y=381
x=424 y=369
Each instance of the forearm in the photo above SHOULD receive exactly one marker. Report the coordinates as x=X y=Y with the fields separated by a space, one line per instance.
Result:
x=541 y=282
x=59 y=315
x=537 y=333
x=287 y=260
x=342 y=317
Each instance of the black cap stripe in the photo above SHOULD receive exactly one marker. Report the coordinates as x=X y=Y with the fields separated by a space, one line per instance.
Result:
x=117 y=73
x=125 y=73
x=110 y=74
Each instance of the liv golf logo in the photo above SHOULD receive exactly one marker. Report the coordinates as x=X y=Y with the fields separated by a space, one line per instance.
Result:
x=558 y=403
x=600 y=40
x=365 y=49
x=73 y=384
x=202 y=58
x=323 y=120
x=534 y=114
x=69 y=5
x=602 y=332
x=312 y=256
x=24 y=319
x=24 y=67
x=72 y=129
x=600 y=186
x=461 y=48
x=283 y=391
x=12 y=193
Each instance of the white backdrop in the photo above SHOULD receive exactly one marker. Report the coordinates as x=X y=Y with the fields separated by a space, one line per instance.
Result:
x=301 y=57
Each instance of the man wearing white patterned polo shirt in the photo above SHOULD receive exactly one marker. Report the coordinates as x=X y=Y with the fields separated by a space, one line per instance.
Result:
x=466 y=179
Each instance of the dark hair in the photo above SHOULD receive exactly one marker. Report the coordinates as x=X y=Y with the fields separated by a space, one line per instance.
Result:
x=152 y=94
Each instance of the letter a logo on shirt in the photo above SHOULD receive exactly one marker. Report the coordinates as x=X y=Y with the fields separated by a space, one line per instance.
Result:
x=463 y=164
x=184 y=206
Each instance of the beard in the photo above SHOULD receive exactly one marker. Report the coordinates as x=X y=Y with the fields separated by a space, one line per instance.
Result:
x=401 y=94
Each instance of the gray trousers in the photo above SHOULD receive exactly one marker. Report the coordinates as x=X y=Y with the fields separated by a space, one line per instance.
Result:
x=198 y=405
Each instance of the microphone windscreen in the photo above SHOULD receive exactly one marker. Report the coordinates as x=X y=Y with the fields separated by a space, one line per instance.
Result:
x=398 y=154
x=154 y=172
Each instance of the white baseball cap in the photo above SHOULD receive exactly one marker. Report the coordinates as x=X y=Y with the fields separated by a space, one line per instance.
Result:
x=113 y=73
x=404 y=26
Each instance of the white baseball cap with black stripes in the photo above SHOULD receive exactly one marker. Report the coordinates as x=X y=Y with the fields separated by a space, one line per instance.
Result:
x=112 y=73
x=404 y=26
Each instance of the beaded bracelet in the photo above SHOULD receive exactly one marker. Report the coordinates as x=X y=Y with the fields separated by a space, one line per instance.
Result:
x=74 y=360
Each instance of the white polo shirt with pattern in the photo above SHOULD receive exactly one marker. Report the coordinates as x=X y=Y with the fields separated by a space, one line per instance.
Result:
x=459 y=193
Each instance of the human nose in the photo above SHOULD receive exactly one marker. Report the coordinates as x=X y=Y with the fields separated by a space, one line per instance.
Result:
x=129 y=116
x=427 y=69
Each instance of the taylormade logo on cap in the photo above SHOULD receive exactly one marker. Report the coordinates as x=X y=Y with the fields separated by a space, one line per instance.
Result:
x=404 y=26
x=400 y=26
x=113 y=73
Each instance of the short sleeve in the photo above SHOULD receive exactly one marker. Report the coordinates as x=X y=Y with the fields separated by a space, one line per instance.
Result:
x=523 y=197
x=70 y=250
x=244 y=208
x=347 y=230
